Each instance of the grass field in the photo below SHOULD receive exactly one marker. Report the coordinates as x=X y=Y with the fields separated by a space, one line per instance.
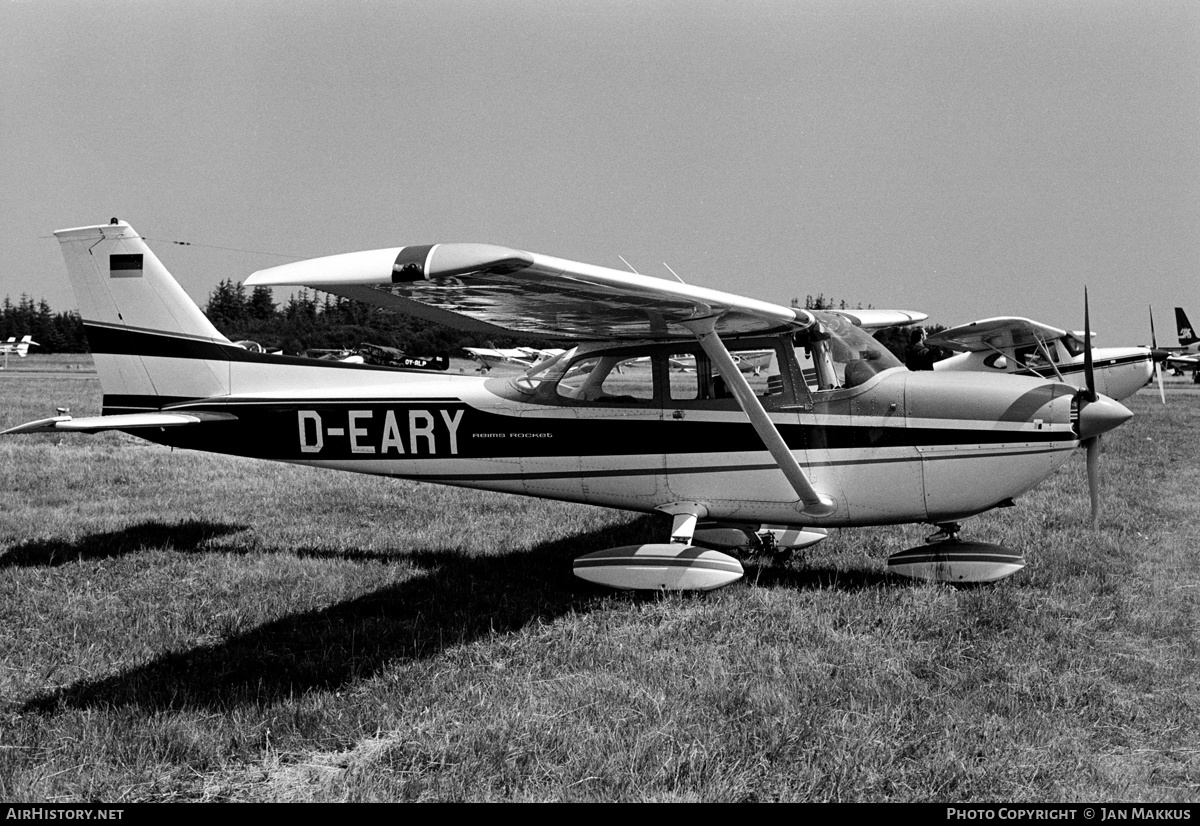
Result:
x=178 y=626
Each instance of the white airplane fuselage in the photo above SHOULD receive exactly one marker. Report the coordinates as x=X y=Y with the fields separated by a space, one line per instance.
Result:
x=902 y=447
x=1119 y=371
x=830 y=431
x=21 y=348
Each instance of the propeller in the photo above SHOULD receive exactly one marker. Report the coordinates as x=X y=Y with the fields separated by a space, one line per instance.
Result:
x=1097 y=415
x=1159 y=357
x=1089 y=370
x=1093 y=474
x=1092 y=445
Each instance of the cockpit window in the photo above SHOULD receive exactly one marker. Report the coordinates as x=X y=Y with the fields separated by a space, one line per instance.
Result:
x=693 y=377
x=546 y=372
x=1042 y=355
x=585 y=374
x=609 y=379
x=655 y=374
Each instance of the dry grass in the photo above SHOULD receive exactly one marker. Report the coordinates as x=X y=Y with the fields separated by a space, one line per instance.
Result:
x=177 y=626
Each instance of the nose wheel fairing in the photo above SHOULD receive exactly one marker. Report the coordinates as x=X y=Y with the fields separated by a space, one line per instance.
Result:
x=946 y=558
x=695 y=559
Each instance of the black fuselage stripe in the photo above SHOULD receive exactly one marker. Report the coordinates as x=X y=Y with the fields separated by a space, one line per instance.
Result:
x=1048 y=372
x=448 y=428
x=111 y=340
x=275 y=428
x=685 y=471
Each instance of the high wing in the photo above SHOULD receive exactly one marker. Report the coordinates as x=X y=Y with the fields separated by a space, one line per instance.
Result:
x=493 y=289
x=466 y=285
x=128 y=421
x=871 y=320
x=1003 y=333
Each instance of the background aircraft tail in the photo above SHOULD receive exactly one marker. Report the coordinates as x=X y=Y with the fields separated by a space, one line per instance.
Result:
x=1187 y=334
x=152 y=345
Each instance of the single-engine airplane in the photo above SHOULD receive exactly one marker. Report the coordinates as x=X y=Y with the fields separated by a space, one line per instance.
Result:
x=1187 y=355
x=1022 y=347
x=520 y=356
x=21 y=348
x=720 y=451
x=394 y=357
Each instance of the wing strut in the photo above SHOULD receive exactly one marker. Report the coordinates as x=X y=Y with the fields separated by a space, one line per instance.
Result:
x=705 y=330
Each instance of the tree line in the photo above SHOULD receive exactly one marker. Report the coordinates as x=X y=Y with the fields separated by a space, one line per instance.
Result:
x=304 y=322
x=54 y=332
x=321 y=321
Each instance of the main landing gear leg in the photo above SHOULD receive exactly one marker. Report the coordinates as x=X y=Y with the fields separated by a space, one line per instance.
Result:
x=947 y=532
x=677 y=565
x=946 y=558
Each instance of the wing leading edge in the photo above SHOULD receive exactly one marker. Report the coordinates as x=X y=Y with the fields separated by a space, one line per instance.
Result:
x=487 y=288
x=872 y=320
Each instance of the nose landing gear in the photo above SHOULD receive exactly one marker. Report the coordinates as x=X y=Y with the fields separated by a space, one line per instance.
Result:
x=946 y=558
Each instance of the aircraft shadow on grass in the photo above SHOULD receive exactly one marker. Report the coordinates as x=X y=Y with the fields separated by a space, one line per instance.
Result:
x=187 y=537
x=455 y=600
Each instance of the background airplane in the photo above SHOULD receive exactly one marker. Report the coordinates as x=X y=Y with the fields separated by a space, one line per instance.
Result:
x=520 y=356
x=21 y=348
x=872 y=320
x=775 y=455
x=1019 y=346
x=383 y=354
x=1187 y=355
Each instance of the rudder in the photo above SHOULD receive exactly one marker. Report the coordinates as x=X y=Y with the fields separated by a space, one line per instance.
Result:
x=1187 y=334
x=151 y=344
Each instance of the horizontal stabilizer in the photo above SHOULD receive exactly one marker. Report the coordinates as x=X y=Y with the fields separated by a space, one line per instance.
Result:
x=128 y=421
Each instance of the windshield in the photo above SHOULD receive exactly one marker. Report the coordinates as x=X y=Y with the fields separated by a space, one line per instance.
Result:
x=1073 y=345
x=837 y=353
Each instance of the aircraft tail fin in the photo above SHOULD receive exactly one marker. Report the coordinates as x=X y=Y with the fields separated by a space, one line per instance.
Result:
x=151 y=344
x=1187 y=334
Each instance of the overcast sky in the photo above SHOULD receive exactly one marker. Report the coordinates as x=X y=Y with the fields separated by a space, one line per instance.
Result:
x=964 y=159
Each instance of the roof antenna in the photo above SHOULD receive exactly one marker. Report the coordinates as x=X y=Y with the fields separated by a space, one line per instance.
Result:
x=626 y=263
x=677 y=278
